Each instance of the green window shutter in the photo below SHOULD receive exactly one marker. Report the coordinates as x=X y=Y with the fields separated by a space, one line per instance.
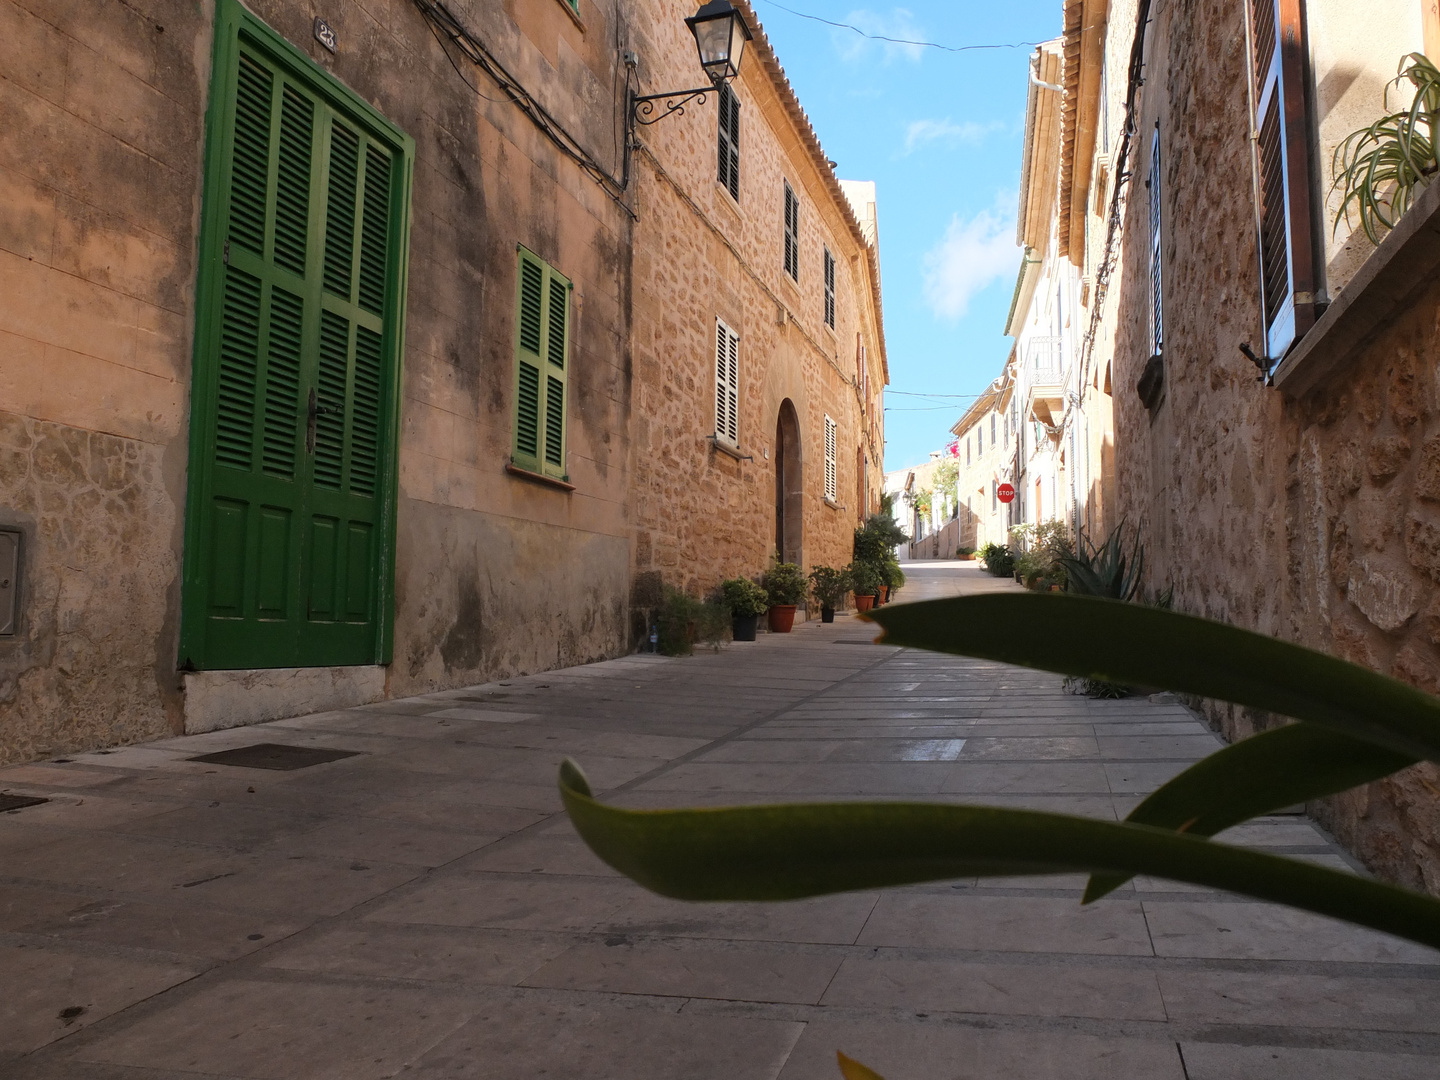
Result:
x=290 y=521
x=542 y=321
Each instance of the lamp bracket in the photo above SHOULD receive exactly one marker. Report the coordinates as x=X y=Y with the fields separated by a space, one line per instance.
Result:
x=644 y=109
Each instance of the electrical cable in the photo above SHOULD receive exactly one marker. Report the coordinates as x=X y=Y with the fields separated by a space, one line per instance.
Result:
x=902 y=41
x=440 y=20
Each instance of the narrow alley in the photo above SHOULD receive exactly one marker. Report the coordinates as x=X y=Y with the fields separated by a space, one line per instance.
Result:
x=421 y=905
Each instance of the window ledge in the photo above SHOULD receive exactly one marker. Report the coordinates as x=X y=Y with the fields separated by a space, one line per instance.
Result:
x=1385 y=288
x=727 y=449
x=537 y=478
x=833 y=504
x=574 y=15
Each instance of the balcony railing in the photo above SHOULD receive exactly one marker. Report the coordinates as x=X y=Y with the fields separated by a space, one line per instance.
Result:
x=1044 y=360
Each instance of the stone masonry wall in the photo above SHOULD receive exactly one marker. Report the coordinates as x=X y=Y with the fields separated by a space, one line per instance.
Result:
x=701 y=515
x=100 y=139
x=1316 y=521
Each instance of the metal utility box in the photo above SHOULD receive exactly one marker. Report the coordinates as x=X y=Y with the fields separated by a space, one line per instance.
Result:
x=9 y=582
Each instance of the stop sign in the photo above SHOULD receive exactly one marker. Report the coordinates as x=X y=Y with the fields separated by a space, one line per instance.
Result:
x=1005 y=493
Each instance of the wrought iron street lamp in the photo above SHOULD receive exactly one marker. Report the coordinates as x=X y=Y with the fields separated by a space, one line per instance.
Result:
x=720 y=35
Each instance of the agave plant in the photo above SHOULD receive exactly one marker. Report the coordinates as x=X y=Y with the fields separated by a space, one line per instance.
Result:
x=1381 y=169
x=1105 y=570
x=1354 y=726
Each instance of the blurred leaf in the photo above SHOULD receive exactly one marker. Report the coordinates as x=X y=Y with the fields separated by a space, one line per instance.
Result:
x=810 y=849
x=1130 y=643
x=851 y=1069
x=1258 y=775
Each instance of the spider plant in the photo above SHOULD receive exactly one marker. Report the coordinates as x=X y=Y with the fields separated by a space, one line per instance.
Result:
x=1380 y=169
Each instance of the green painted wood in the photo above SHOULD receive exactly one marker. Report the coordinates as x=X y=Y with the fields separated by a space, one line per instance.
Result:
x=290 y=523
x=542 y=341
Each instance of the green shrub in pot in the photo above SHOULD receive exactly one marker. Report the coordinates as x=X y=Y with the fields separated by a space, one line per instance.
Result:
x=785 y=584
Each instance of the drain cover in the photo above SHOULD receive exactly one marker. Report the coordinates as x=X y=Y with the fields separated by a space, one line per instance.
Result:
x=18 y=802
x=854 y=641
x=275 y=756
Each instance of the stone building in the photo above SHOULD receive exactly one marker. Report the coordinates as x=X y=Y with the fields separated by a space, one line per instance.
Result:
x=1057 y=401
x=985 y=456
x=353 y=356
x=1277 y=406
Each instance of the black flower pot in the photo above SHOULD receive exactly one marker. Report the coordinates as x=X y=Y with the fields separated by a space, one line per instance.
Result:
x=827 y=614
x=742 y=627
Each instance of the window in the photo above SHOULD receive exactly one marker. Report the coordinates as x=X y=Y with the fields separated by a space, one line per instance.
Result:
x=992 y=431
x=1287 y=273
x=792 y=233
x=829 y=289
x=967 y=449
x=994 y=495
x=1156 y=321
x=728 y=153
x=830 y=477
x=542 y=310
x=727 y=384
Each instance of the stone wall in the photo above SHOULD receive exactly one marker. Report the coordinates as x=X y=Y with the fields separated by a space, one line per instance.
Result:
x=99 y=181
x=1314 y=520
x=700 y=514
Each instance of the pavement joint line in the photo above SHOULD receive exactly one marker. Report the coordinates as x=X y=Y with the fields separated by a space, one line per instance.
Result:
x=252 y=962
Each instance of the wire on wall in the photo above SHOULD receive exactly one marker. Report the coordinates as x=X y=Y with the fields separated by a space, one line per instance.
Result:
x=445 y=26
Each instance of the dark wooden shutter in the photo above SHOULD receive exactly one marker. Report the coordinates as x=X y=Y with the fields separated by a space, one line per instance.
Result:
x=288 y=519
x=792 y=233
x=1287 y=262
x=728 y=153
x=1157 y=293
x=829 y=289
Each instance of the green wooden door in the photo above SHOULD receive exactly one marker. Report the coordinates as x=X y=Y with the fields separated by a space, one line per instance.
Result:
x=291 y=515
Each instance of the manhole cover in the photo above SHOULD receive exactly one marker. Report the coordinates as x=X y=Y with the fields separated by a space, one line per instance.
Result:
x=18 y=802
x=275 y=756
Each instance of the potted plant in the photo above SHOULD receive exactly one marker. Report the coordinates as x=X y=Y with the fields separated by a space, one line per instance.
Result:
x=966 y=554
x=894 y=579
x=747 y=602
x=865 y=581
x=785 y=586
x=829 y=584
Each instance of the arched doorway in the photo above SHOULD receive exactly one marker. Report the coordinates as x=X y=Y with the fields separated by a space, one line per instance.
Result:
x=789 y=485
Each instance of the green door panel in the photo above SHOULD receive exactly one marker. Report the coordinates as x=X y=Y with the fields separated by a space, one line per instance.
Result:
x=290 y=522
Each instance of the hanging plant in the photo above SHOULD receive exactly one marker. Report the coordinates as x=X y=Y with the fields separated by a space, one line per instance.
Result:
x=1381 y=169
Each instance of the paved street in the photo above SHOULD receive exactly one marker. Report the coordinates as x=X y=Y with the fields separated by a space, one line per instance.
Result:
x=423 y=908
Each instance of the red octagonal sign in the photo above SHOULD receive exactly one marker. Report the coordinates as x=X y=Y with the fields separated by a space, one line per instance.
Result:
x=1005 y=493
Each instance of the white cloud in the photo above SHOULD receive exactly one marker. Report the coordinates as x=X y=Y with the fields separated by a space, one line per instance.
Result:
x=967 y=131
x=899 y=23
x=972 y=254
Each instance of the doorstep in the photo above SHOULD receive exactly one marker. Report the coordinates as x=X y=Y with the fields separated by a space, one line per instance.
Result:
x=226 y=699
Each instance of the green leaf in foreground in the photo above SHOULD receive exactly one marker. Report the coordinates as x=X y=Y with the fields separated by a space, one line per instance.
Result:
x=1098 y=638
x=810 y=849
x=851 y=1069
x=1258 y=775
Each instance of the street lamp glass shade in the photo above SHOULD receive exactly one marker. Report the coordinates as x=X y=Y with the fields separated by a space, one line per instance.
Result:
x=720 y=36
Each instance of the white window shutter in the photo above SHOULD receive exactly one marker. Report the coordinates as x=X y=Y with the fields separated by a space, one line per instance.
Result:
x=727 y=384
x=830 y=477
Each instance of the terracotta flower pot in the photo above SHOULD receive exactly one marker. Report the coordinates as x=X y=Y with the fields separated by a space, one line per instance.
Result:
x=782 y=618
x=864 y=601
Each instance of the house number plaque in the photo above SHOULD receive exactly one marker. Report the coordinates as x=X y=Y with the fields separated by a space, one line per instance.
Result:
x=325 y=33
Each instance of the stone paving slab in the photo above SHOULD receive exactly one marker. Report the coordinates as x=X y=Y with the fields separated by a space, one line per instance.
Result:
x=423 y=908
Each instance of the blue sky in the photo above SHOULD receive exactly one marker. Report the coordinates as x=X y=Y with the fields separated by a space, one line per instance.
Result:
x=940 y=133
